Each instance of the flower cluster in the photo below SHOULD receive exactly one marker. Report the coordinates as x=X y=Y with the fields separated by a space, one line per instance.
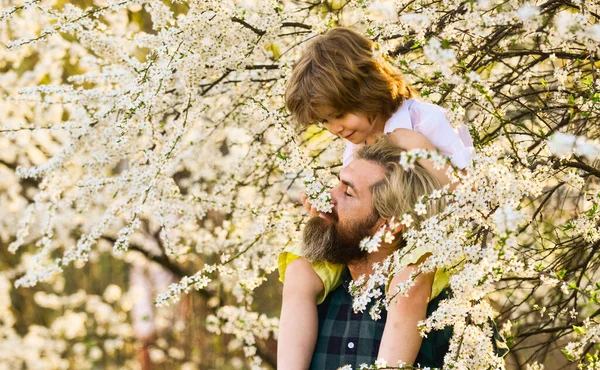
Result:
x=246 y=326
x=152 y=135
x=566 y=144
x=197 y=281
x=318 y=194
x=588 y=334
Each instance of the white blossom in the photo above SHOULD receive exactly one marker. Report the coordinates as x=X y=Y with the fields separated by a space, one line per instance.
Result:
x=527 y=11
x=139 y=134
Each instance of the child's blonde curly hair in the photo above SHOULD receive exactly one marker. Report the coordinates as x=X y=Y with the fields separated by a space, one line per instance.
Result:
x=339 y=72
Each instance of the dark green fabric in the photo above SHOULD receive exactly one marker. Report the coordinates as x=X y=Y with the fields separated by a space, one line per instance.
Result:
x=434 y=347
x=339 y=326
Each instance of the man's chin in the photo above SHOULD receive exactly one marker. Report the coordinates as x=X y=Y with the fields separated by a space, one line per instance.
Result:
x=323 y=240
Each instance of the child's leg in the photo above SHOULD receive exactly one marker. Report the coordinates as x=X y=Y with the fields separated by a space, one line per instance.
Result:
x=298 y=324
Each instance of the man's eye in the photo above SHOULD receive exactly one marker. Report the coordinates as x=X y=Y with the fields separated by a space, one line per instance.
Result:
x=348 y=195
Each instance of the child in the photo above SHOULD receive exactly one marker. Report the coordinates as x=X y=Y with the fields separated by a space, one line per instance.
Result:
x=357 y=96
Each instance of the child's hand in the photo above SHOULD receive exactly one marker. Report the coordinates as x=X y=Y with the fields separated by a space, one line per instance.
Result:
x=408 y=140
x=309 y=208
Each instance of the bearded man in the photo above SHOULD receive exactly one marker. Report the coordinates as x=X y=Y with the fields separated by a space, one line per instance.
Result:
x=373 y=188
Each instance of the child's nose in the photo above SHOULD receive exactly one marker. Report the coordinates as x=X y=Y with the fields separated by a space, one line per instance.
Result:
x=335 y=128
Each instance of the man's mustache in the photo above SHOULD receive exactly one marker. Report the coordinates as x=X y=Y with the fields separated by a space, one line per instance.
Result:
x=334 y=215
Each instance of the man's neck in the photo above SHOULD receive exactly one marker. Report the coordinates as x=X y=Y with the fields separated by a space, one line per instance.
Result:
x=365 y=266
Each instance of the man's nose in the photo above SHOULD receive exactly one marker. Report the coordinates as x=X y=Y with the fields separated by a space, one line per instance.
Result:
x=334 y=192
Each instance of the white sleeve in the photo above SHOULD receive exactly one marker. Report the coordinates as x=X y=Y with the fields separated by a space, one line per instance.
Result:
x=430 y=120
x=348 y=154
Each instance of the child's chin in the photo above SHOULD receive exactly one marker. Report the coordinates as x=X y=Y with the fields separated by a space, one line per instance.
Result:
x=355 y=139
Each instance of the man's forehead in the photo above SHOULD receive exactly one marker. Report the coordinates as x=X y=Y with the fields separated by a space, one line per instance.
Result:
x=362 y=173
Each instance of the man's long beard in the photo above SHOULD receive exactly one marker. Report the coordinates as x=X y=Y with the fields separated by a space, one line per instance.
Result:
x=335 y=243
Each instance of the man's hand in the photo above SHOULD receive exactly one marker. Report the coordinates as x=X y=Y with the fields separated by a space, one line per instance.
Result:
x=309 y=208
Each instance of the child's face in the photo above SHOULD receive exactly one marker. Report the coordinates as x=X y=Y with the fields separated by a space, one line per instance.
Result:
x=354 y=127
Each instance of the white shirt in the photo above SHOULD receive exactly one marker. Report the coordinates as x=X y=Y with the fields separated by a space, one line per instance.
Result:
x=429 y=120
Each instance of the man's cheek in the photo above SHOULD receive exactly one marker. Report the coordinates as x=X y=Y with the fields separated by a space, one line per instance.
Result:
x=343 y=227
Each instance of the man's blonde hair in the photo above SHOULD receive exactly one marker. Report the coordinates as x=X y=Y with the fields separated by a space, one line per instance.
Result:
x=338 y=71
x=401 y=188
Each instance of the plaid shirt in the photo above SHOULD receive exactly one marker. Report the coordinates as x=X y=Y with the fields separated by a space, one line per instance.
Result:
x=352 y=338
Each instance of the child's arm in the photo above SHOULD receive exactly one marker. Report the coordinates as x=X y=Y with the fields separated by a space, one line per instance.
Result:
x=408 y=140
x=401 y=339
x=298 y=324
x=431 y=121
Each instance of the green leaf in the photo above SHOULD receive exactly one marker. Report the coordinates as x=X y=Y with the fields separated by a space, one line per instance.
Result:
x=579 y=329
x=592 y=358
x=561 y=274
x=592 y=211
x=567 y=355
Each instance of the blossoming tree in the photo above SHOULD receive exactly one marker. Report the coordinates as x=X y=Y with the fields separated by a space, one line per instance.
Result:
x=145 y=143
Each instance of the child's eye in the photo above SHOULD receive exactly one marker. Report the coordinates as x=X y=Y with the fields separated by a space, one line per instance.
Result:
x=340 y=116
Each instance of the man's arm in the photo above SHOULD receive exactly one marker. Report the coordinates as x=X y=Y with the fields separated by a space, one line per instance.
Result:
x=401 y=339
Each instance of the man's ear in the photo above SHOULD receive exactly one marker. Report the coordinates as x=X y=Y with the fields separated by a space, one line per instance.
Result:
x=378 y=224
x=397 y=229
x=394 y=226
